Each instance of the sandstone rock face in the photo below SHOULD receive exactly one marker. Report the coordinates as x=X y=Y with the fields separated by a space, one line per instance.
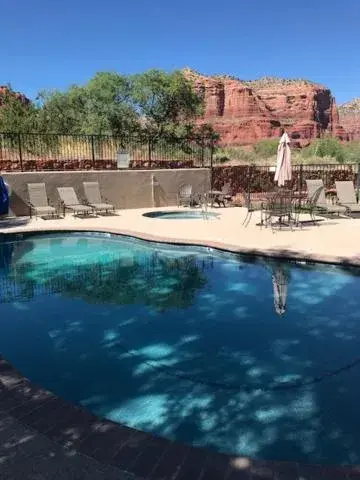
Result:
x=245 y=112
x=5 y=91
x=349 y=114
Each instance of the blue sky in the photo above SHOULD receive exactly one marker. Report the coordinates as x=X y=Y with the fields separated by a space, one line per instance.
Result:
x=53 y=44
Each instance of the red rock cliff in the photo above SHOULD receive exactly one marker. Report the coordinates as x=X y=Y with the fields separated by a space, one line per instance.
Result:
x=6 y=91
x=245 y=112
x=349 y=114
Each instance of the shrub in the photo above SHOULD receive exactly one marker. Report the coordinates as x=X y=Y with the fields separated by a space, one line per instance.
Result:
x=266 y=148
x=326 y=147
x=352 y=152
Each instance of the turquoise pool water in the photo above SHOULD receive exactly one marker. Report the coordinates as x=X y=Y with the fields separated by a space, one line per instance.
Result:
x=241 y=355
x=182 y=215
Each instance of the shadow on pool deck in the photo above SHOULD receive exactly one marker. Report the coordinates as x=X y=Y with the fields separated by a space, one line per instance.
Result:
x=26 y=454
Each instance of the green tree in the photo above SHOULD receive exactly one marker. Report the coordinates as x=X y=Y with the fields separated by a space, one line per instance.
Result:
x=103 y=107
x=109 y=109
x=164 y=103
x=62 y=112
x=17 y=114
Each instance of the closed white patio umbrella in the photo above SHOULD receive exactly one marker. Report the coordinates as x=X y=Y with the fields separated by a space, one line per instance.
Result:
x=283 y=161
x=280 y=280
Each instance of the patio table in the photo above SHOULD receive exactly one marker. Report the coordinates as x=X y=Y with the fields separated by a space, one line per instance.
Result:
x=214 y=196
x=331 y=194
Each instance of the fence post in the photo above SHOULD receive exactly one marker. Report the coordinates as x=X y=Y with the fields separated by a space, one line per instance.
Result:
x=149 y=151
x=93 y=152
x=301 y=183
x=20 y=152
x=301 y=177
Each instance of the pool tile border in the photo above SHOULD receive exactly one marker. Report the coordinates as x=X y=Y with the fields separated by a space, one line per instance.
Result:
x=287 y=254
x=142 y=454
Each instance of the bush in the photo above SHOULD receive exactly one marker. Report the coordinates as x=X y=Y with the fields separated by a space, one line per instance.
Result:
x=234 y=154
x=326 y=147
x=266 y=148
x=221 y=158
x=352 y=152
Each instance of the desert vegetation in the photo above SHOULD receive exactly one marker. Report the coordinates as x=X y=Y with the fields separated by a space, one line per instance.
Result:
x=320 y=151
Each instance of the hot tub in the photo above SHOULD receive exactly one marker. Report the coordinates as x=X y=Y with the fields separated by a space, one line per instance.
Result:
x=181 y=215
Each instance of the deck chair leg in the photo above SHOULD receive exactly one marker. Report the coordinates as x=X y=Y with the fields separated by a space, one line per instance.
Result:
x=246 y=216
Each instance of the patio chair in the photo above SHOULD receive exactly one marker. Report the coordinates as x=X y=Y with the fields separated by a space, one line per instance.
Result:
x=250 y=209
x=185 y=196
x=224 y=196
x=279 y=206
x=252 y=204
x=347 y=196
x=310 y=205
x=316 y=190
x=38 y=201
x=70 y=201
x=94 y=198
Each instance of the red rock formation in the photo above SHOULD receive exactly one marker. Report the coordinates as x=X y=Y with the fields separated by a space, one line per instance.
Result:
x=349 y=114
x=245 y=112
x=6 y=91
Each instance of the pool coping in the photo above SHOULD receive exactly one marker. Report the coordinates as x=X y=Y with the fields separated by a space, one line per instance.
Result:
x=221 y=246
x=143 y=454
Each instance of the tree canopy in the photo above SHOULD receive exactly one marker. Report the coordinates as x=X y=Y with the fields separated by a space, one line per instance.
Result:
x=16 y=113
x=155 y=104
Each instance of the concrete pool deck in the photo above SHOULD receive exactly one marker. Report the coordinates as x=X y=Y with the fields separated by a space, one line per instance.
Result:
x=335 y=240
x=43 y=436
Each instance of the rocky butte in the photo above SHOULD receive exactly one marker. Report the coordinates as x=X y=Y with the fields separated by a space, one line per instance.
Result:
x=244 y=112
x=4 y=91
x=349 y=114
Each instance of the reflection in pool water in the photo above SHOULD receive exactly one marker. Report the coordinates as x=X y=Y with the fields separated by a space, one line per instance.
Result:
x=244 y=356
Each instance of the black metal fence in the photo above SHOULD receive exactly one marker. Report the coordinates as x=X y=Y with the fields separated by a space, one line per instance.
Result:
x=33 y=151
x=260 y=179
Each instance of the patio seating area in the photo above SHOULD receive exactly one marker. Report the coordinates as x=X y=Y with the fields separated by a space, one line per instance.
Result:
x=294 y=216
x=280 y=224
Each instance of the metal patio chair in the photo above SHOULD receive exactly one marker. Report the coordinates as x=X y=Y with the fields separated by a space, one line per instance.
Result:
x=95 y=199
x=186 y=197
x=39 y=202
x=321 y=206
x=69 y=200
x=347 y=197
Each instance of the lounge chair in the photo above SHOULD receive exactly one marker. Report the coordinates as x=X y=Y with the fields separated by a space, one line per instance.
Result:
x=186 y=196
x=94 y=198
x=347 y=197
x=316 y=191
x=38 y=201
x=70 y=201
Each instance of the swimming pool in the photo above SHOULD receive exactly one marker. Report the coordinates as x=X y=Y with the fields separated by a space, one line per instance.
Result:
x=181 y=215
x=248 y=356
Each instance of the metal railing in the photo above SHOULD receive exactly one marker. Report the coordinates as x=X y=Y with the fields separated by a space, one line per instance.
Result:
x=260 y=179
x=34 y=151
